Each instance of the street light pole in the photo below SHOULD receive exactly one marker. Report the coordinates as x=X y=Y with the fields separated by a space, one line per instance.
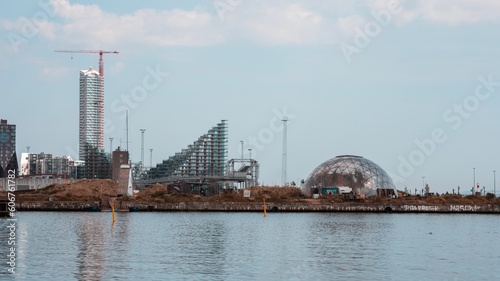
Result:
x=494 y=184
x=111 y=147
x=242 y=143
x=142 y=148
x=150 y=158
x=474 y=181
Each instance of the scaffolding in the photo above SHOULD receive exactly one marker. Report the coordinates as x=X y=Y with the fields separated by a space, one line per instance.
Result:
x=205 y=157
x=97 y=164
x=248 y=171
x=90 y=119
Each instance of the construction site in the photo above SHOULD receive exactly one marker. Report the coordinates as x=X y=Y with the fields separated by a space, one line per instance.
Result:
x=97 y=164
x=201 y=168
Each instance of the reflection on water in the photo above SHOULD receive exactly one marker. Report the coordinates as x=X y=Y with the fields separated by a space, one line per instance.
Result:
x=247 y=246
x=91 y=245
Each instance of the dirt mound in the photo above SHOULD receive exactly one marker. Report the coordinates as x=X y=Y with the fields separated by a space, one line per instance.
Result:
x=162 y=193
x=155 y=191
x=435 y=200
x=275 y=193
x=84 y=190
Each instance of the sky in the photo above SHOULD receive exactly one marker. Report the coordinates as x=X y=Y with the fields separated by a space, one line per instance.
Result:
x=411 y=85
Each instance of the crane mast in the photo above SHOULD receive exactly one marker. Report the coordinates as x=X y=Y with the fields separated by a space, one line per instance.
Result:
x=101 y=86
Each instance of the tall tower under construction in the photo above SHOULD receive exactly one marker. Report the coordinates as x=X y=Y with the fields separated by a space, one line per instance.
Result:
x=90 y=123
x=91 y=149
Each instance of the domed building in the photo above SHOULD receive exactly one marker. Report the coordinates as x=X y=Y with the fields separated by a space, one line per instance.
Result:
x=348 y=172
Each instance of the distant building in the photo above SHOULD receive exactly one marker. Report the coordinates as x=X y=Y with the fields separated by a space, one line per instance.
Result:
x=91 y=149
x=121 y=172
x=33 y=164
x=8 y=156
x=120 y=158
x=207 y=156
x=40 y=164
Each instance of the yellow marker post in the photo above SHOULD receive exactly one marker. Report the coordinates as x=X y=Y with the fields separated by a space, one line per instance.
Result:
x=264 y=207
x=113 y=212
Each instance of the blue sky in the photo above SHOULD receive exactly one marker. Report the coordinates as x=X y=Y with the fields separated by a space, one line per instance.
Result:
x=397 y=82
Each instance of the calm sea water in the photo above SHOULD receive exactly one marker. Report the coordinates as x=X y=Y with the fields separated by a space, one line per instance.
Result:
x=247 y=246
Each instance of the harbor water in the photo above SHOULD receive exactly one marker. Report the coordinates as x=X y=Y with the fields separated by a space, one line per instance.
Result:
x=249 y=246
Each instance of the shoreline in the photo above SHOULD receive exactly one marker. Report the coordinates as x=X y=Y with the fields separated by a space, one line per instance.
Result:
x=290 y=207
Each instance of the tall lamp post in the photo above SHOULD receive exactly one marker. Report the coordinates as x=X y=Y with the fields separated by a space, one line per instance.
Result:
x=150 y=158
x=494 y=184
x=150 y=162
x=110 y=148
x=242 y=144
x=474 y=181
x=142 y=148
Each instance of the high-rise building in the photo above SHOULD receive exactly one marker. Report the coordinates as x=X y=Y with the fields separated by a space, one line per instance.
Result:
x=91 y=150
x=90 y=119
x=8 y=157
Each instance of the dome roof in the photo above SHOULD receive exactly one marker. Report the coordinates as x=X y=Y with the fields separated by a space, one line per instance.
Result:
x=358 y=173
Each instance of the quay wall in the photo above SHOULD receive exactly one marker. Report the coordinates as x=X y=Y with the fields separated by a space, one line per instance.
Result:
x=257 y=207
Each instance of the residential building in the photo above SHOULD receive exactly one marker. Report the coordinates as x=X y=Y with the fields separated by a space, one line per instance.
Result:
x=91 y=149
x=8 y=156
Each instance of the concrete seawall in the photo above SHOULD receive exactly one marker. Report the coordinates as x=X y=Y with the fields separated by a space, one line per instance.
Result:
x=258 y=207
x=303 y=207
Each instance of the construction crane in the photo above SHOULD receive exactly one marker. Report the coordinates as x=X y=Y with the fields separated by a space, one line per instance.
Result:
x=101 y=84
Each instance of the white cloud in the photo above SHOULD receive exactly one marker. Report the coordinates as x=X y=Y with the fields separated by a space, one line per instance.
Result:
x=53 y=73
x=451 y=12
x=280 y=24
x=92 y=26
x=347 y=25
x=264 y=23
x=270 y=22
x=117 y=67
